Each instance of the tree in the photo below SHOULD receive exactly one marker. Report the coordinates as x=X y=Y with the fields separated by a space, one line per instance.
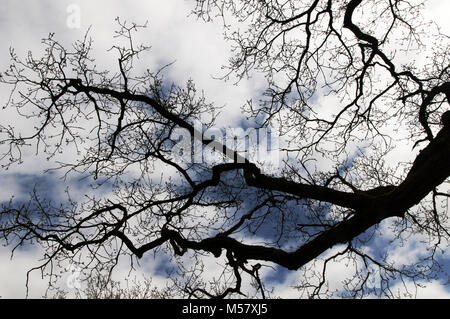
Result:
x=336 y=188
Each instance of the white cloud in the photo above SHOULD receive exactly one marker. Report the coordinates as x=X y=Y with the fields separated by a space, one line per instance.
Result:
x=430 y=290
x=14 y=273
x=436 y=11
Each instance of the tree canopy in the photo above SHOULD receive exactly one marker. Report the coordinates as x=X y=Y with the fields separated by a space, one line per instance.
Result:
x=349 y=85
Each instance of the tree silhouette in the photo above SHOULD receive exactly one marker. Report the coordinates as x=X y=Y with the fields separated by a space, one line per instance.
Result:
x=343 y=92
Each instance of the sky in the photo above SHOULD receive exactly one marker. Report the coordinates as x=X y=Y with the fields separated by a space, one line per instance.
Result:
x=198 y=50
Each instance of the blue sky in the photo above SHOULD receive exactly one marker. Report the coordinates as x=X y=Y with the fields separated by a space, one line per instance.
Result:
x=198 y=50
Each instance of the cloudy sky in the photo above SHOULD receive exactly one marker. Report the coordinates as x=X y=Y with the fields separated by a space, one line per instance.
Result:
x=198 y=50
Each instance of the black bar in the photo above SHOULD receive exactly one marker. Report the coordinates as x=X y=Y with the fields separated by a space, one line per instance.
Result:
x=200 y=309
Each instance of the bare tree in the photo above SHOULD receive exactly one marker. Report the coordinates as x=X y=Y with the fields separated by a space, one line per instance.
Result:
x=354 y=55
x=102 y=287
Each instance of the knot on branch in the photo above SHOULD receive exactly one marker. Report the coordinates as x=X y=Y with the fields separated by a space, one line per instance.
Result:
x=251 y=173
x=445 y=119
x=211 y=245
x=75 y=82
